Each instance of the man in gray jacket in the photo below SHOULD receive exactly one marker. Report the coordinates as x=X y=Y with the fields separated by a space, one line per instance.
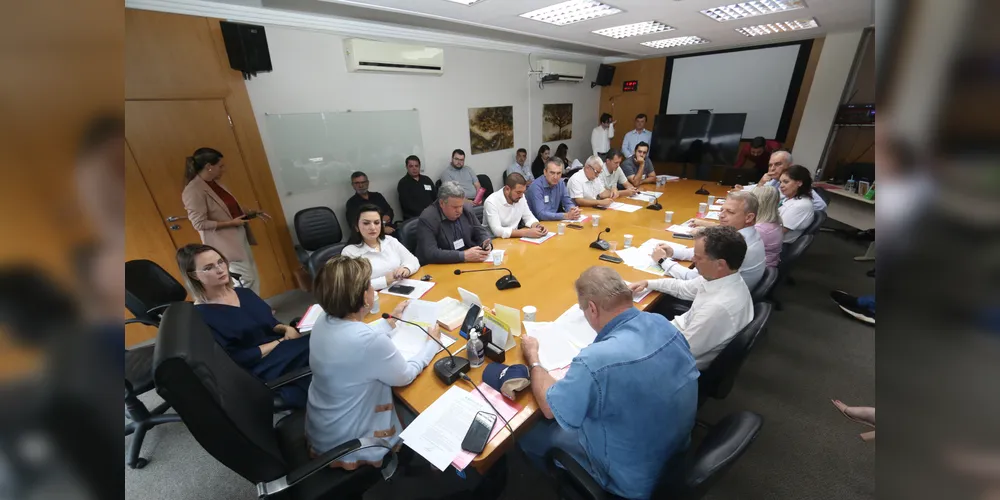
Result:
x=448 y=232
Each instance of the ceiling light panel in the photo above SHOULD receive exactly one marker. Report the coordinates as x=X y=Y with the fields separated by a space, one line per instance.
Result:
x=571 y=12
x=466 y=2
x=782 y=27
x=637 y=29
x=744 y=10
x=678 y=41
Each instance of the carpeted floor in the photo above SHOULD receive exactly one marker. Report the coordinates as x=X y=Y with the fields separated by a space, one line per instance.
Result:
x=812 y=352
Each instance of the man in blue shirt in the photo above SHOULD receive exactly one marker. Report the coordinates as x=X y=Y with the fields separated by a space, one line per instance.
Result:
x=634 y=137
x=627 y=404
x=545 y=195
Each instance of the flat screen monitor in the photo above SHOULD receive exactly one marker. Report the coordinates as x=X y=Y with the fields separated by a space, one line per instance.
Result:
x=698 y=138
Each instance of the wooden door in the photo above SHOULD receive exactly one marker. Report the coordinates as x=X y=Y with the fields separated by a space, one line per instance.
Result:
x=161 y=134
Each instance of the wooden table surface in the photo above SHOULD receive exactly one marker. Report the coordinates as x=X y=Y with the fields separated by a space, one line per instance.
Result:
x=546 y=273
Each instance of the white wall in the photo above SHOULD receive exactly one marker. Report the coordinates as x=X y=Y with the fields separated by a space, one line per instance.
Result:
x=832 y=72
x=310 y=76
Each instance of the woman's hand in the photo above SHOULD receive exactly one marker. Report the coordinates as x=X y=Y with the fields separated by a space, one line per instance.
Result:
x=237 y=222
x=398 y=311
x=435 y=332
x=288 y=332
x=266 y=349
x=390 y=277
x=400 y=273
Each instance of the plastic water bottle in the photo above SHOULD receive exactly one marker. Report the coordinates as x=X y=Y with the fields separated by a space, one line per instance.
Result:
x=475 y=350
x=375 y=305
x=849 y=187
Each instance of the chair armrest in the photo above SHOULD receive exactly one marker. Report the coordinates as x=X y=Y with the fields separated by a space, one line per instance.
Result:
x=289 y=377
x=302 y=255
x=574 y=474
x=158 y=309
x=317 y=464
x=142 y=321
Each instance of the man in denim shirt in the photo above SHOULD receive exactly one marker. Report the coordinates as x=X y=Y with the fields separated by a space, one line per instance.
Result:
x=627 y=403
x=545 y=196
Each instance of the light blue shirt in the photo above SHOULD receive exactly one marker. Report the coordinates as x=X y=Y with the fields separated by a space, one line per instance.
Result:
x=523 y=170
x=544 y=200
x=631 y=398
x=818 y=203
x=465 y=177
x=633 y=138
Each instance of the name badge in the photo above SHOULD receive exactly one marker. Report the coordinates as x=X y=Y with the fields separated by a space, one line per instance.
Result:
x=459 y=244
x=426 y=187
x=546 y=199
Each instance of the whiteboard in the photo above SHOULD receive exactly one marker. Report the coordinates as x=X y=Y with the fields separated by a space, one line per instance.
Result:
x=754 y=82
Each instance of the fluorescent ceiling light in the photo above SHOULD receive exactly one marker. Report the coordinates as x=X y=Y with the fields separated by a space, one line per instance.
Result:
x=466 y=2
x=637 y=29
x=781 y=27
x=571 y=12
x=744 y=10
x=675 y=42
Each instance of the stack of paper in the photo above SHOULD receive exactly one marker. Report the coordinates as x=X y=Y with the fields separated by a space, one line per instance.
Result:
x=437 y=433
x=410 y=340
x=636 y=258
x=539 y=241
x=624 y=207
x=419 y=288
x=577 y=220
x=637 y=297
x=560 y=341
x=645 y=196
x=714 y=208
x=686 y=227
x=309 y=319
x=507 y=410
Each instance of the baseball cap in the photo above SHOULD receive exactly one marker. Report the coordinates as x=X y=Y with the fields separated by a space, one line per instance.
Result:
x=506 y=379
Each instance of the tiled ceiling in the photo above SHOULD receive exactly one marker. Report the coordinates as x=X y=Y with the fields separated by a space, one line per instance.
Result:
x=500 y=19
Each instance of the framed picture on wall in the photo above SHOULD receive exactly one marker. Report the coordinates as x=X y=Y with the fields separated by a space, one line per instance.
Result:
x=557 y=122
x=491 y=129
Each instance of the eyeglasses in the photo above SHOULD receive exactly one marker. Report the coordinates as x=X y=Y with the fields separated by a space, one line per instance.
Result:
x=218 y=266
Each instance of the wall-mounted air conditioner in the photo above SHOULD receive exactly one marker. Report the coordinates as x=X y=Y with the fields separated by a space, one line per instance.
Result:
x=382 y=57
x=561 y=71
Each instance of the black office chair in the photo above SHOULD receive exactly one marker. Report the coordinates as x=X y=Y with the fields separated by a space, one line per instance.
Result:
x=319 y=233
x=700 y=469
x=789 y=255
x=149 y=290
x=717 y=380
x=228 y=411
x=407 y=232
x=765 y=285
x=479 y=212
x=819 y=217
x=823 y=194
x=503 y=178
x=485 y=183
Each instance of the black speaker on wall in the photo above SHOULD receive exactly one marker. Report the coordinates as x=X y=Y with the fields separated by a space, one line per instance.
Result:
x=605 y=74
x=246 y=45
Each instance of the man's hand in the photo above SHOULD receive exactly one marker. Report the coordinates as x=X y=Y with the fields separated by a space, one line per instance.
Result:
x=537 y=231
x=487 y=245
x=638 y=287
x=287 y=332
x=631 y=191
x=605 y=202
x=662 y=252
x=764 y=180
x=573 y=214
x=529 y=348
x=476 y=254
x=614 y=192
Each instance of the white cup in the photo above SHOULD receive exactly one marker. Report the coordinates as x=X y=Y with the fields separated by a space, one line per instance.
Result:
x=711 y=199
x=702 y=207
x=497 y=259
x=529 y=313
x=628 y=240
x=668 y=217
x=562 y=228
x=597 y=220
x=375 y=305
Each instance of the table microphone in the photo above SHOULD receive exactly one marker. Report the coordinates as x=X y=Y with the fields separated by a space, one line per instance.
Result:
x=653 y=205
x=702 y=190
x=447 y=369
x=503 y=283
x=599 y=243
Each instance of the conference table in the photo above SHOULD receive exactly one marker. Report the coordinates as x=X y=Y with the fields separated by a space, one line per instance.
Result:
x=546 y=272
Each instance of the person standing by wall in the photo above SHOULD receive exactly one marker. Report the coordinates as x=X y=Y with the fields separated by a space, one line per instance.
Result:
x=639 y=134
x=600 y=137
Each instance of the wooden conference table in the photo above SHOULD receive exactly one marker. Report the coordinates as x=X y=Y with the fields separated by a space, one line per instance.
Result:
x=546 y=272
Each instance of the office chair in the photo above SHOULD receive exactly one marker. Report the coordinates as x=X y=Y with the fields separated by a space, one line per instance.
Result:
x=199 y=379
x=479 y=212
x=485 y=183
x=823 y=194
x=789 y=255
x=319 y=237
x=149 y=290
x=407 y=232
x=819 y=217
x=689 y=478
x=765 y=285
x=717 y=380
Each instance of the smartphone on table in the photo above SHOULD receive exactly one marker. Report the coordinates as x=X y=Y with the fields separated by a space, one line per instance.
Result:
x=479 y=432
x=401 y=289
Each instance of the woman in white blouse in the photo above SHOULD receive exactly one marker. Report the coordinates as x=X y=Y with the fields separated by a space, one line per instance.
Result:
x=796 y=210
x=390 y=260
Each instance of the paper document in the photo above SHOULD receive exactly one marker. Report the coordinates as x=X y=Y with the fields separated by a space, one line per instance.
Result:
x=637 y=258
x=493 y=254
x=539 y=241
x=507 y=409
x=578 y=220
x=419 y=288
x=555 y=349
x=624 y=207
x=410 y=340
x=645 y=196
x=469 y=298
x=437 y=433
x=580 y=333
x=686 y=227
x=576 y=164
x=309 y=319
x=720 y=201
x=499 y=331
x=712 y=216
x=637 y=297
x=510 y=316
x=422 y=312
x=714 y=208
x=651 y=244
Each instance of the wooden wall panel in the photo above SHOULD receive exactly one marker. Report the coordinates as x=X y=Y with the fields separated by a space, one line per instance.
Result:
x=625 y=105
x=807 y=81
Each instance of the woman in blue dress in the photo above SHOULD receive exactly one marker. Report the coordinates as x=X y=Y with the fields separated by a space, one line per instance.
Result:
x=242 y=322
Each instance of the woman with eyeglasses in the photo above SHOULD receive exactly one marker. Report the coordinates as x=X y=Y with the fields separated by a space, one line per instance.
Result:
x=242 y=322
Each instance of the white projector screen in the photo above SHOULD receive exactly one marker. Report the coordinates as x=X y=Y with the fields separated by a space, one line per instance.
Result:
x=754 y=82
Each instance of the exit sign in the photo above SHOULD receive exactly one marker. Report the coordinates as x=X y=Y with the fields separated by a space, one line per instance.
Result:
x=630 y=86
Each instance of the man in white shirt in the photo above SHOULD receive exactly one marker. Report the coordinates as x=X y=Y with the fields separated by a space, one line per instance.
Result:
x=519 y=166
x=585 y=186
x=505 y=209
x=639 y=134
x=722 y=306
x=778 y=163
x=738 y=212
x=600 y=137
x=613 y=176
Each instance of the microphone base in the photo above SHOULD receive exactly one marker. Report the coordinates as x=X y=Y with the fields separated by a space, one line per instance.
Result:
x=450 y=369
x=654 y=206
x=702 y=191
x=508 y=282
x=600 y=245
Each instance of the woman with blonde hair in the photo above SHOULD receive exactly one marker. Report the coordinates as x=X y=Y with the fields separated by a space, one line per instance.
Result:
x=769 y=223
x=355 y=365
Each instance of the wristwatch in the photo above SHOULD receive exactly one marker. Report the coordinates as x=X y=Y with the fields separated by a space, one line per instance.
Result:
x=533 y=365
x=661 y=261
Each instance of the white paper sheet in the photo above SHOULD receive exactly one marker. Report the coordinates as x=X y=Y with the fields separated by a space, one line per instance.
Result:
x=637 y=297
x=469 y=298
x=555 y=349
x=410 y=340
x=437 y=433
x=575 y=325
x=645 y=195
x=309 y=319
x=638 y=258
x=422 y=312
x=651 y=244
x=712 y=215
x=419 y=288
x=576 y=164
x=685 y=227
x=540 y=240
x=579 y=219
x=714 y=208
x=624 y=207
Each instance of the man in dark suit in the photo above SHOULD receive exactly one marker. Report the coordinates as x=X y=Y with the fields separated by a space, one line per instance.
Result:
x=448 y=232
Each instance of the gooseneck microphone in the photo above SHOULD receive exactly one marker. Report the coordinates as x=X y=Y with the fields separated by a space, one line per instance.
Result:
x=599 y=243
x=702 y=190
x=503 y=283
x=653 y=204
x=448 y=369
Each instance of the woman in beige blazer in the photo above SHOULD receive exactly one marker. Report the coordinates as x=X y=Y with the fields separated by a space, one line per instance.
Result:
x=218 y=217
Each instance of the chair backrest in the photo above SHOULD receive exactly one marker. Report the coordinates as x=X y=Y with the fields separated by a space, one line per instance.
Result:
x=317 y=227
x=503 y=179
x=765 y=285
x=793 y=251
x=725 y=443
x=226 y=408
x=318 y=258
x=485 y=183
x=823 y=193
x=819 y=217
x=717 y=380
x=407 y=232
x=479 y=213
x=147 y=285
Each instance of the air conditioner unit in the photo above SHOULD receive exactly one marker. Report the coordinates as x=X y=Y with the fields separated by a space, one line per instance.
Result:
x=562 y=71
x=382 y=57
